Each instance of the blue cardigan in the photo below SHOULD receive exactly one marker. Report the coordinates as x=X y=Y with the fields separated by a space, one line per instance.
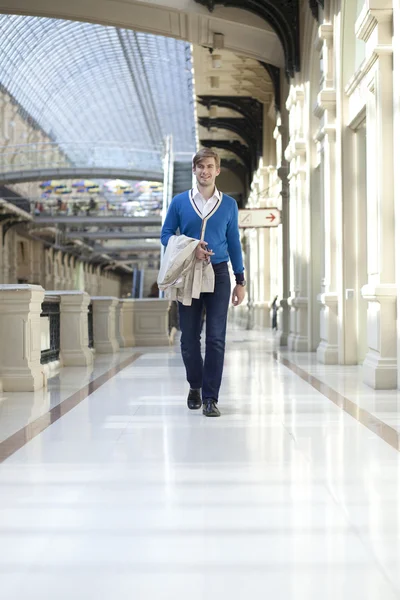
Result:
x=222 y=229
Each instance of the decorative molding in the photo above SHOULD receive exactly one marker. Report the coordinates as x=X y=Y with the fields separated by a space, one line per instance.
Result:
x=296 y=147
x=380 y=292
x=369 y=19
x=296 y=94
x=326 y=100
x=325 y=32
x=282 y=15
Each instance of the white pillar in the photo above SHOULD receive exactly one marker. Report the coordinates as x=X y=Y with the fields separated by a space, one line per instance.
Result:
x=380 y=365
x=20 y=308
x=396 y=156
x=74 y=333
x=104 y=324
x=281 y=193
x=151 y=322
x=125 y=316
x=327 y=351
x=299 y=222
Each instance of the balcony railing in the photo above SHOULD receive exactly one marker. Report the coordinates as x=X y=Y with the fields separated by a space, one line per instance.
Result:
x=90 y=325
x=65 y=155
x=50 y=329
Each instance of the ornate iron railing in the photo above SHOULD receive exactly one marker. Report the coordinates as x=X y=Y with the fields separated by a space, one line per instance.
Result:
x=51 y=310
x=90 y=325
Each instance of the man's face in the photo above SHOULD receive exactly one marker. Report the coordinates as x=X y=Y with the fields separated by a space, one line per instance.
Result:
x=206 y=171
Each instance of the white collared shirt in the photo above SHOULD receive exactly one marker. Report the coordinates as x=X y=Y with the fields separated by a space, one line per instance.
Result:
x=206 y=206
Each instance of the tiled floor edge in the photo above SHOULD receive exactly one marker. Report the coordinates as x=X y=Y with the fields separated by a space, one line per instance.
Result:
x=30 y=431
x=381 y=429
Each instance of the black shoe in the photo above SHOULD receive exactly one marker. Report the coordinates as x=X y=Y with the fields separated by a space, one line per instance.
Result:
x=194 y=399
x=210 y=409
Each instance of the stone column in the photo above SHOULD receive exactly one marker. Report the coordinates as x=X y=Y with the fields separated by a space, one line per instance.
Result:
x=20 y=308
x=125 y=317
x=299 y=222
x=57 y=270
x=11 y=257
x=396 y=156
x=264 y=276
x=36 y=263
x=327 y=351
x=281 y=193
x=151 y=321
x=68 y=283
x=97 y=290
x=104 y=324
x=49 y=266
x=380 y=366
x=74 y=333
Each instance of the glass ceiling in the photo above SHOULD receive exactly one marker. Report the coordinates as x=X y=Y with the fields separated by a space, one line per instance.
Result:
x=83 y=82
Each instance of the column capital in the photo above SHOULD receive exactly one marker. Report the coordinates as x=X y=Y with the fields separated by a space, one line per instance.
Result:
x=325 y=32
x=380 y=292
x=296 y=94
x=296 y=147
x=326 y=101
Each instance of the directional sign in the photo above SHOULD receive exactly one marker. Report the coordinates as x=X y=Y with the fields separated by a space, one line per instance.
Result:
x=259 y=217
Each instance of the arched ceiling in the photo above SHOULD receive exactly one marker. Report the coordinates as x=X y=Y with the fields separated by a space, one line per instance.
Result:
x=245 y=31
x=89 y=83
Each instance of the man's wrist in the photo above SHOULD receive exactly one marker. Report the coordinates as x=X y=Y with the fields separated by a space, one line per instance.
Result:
x=240 y=280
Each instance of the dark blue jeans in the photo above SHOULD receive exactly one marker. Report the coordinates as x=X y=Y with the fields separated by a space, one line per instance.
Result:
x=207 y=375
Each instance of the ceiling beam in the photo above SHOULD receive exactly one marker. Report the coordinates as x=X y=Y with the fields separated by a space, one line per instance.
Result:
x=282 y=15
x=247 y=106
x=235 y=147
x=242 y=127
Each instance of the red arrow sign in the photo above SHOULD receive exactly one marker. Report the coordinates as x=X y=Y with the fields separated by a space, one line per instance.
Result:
x=259 y=217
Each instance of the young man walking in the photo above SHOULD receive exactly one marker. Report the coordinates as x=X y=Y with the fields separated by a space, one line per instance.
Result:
x=189 y=212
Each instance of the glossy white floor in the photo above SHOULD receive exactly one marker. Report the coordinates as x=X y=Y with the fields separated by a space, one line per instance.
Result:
x=130 y=495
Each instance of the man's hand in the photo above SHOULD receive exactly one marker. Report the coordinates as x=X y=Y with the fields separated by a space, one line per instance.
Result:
x=202 y=253
x=238 y=294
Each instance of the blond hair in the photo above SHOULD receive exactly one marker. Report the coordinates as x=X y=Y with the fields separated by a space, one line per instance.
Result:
x=206 y=153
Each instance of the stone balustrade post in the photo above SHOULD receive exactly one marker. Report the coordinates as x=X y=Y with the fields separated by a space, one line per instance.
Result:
x=104 y=324
x=151 y=321
x=125 y=316
x=74 y=332
x=20 y=367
